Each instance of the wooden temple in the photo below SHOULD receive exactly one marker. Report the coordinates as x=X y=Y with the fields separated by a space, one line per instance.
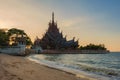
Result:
x=53 y=38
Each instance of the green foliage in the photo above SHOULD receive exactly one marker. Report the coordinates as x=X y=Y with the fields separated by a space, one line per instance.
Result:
x=28 y=41
x=18 y=32
x=15 y=31
x=5 y=36
x=4 y=39
x=93 y=47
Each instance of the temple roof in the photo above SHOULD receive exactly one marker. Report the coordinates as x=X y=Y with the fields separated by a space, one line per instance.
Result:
x=54 y=38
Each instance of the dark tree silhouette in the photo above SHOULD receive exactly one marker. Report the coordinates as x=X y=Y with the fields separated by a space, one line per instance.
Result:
x=15 y=33
x=4 y=39
x=93 y=47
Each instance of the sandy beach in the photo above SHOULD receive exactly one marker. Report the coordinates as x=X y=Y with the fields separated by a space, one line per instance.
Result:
x=20 y=68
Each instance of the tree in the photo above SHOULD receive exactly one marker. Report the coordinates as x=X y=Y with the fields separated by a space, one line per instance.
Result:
x=93 y=47
x=4 y=39
x=14 y=34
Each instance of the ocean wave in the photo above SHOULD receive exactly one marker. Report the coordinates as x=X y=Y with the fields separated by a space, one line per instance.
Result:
x=68 y=68
x=76 y=67
x=101 y=71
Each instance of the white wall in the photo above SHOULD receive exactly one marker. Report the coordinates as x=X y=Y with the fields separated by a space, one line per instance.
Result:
x=16 y=50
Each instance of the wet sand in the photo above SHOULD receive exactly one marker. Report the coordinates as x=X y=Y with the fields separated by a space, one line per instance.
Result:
x=20 y=68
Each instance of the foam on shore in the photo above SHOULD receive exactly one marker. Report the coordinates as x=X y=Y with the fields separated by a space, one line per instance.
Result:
x=77 y=73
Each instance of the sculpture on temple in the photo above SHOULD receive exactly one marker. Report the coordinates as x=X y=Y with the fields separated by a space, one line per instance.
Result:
x=53 y=39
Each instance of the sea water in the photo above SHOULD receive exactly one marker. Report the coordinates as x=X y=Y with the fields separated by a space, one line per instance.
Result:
x=101 y=66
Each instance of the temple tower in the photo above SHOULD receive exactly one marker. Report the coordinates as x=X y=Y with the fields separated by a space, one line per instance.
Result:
x=53 y=38
x=53 y=26
x=53 y=17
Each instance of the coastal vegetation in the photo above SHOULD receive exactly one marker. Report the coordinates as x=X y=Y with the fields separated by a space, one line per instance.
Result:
x=93 y=47
x=10 y=37
x=4 y=38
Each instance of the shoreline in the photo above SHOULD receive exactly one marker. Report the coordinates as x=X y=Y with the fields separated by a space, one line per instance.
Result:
x=20 y=68
x=75 y=52
x=75 y=72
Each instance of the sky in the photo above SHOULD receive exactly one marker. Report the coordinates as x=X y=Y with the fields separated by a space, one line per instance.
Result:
x=90 y=21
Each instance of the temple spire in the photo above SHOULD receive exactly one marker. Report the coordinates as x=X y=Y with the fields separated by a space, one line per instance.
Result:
x=53 y=17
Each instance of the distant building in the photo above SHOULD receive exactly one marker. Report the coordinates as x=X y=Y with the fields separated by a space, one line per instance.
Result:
x=36 y=47
x=17 y=40
x=53 y=38
x=17 y=49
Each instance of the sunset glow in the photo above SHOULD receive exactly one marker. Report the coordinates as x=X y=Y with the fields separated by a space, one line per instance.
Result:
x=90 y=21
